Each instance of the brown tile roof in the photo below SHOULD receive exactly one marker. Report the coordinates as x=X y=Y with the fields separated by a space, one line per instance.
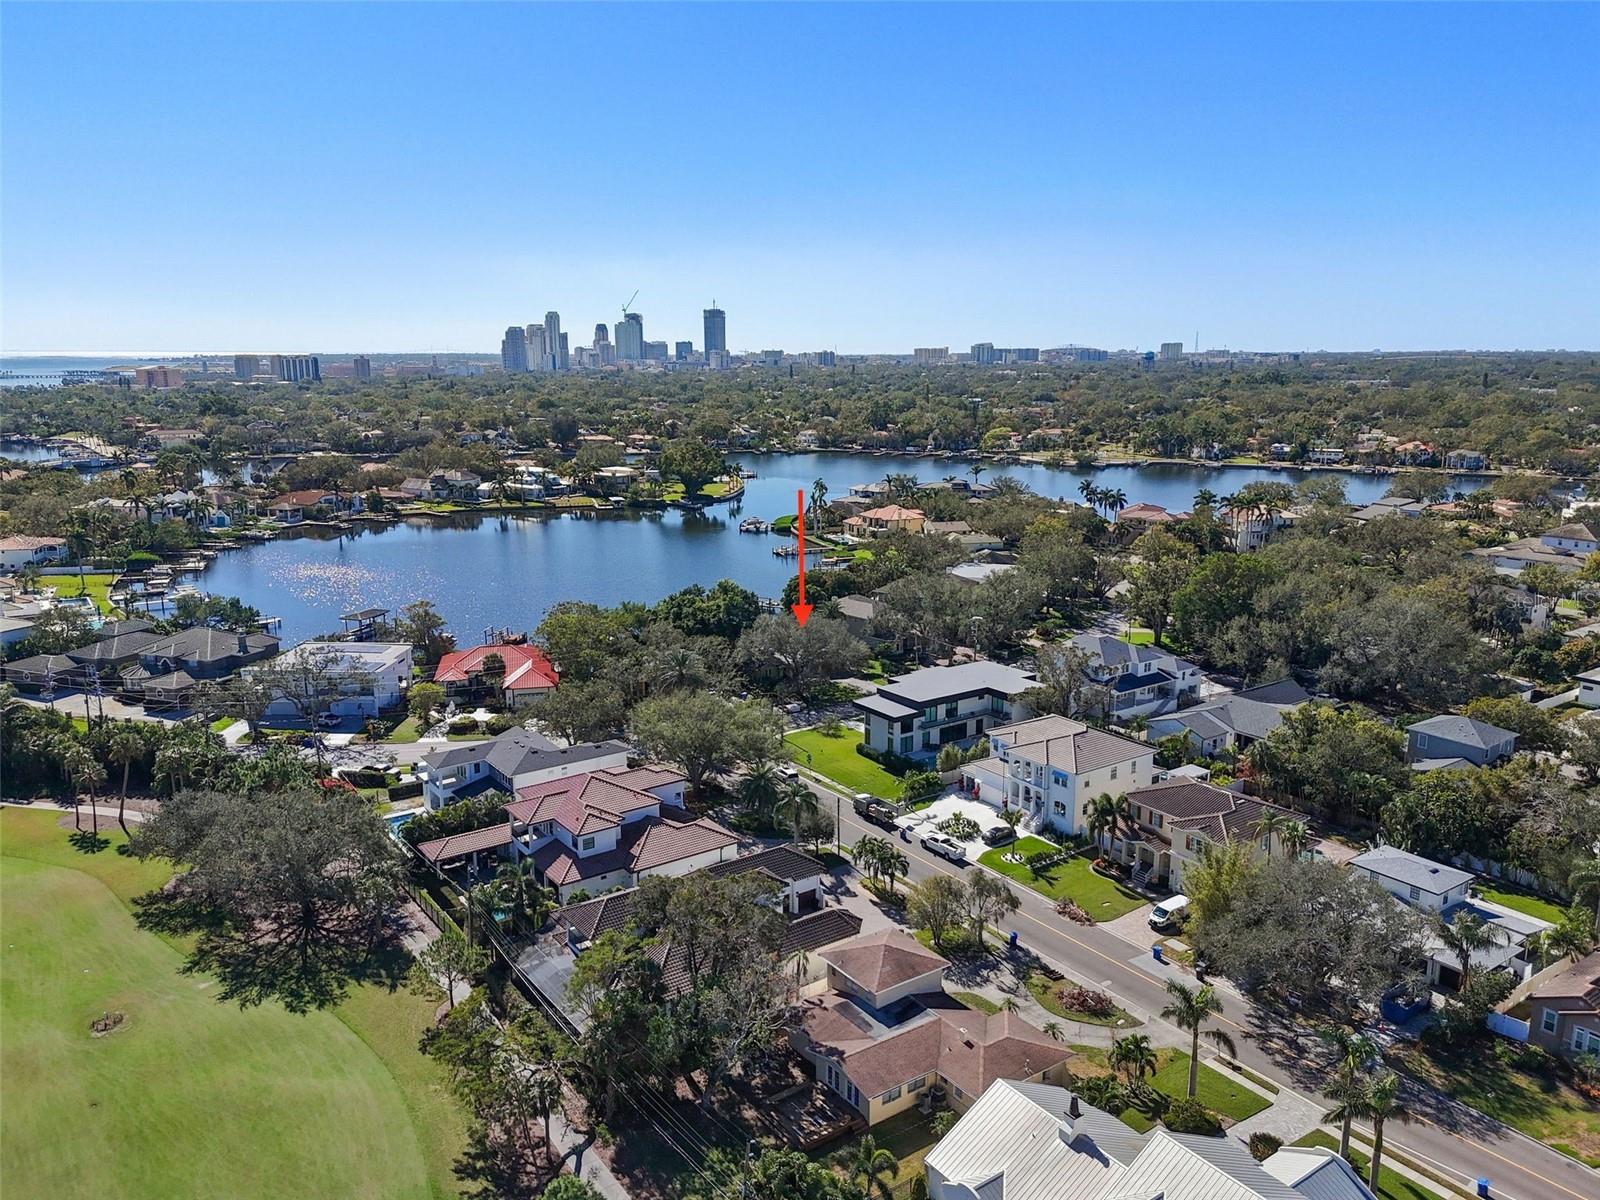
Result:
x=893 y=512
x=975 y=1049
x=1070 y=745
x=651 y=775
x=659 y=842
x=883 y=960
x=1580 y=981
x=455 y=844
x=1216 y=812
x=783 y=863
x=579 y=803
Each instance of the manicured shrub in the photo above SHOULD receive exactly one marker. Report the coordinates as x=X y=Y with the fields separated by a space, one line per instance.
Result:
x=1264 y=1145
x=1188 y=1115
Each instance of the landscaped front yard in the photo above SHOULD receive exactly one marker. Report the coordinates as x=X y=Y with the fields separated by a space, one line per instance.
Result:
x=835 y=756
x=1391 y=1184
x=1045 y=990
x=97 y=586
x=1508 y=1082
x=188 y=1096
x=1103 y=899
x=1215 y=1090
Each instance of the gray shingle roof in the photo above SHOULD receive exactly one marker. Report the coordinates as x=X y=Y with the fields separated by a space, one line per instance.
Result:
x=1462 y=730
x=1411 y=869
x=938 y=683
x=519 y=751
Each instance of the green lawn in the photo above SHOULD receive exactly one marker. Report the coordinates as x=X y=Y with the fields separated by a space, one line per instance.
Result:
x=1537 y=1102
x=407 y=731
x=222 y=723
x=1391 y=1184
x=97 y=586
x=1044 y=989
x=1103 y=899
x=974 y=1001
x=190 y=1096
x=1521 y=901
x=1139 y=637
x=1214 y=1090
x=836 y=758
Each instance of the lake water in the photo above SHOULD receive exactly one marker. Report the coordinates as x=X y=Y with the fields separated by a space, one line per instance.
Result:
x=484 y=572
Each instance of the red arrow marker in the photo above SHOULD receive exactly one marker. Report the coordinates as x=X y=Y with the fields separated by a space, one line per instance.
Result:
x=802 y=611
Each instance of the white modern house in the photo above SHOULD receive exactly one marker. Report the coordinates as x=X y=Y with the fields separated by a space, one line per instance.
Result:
x=1035 y=1141
x=1142 y=680
x=363 y=677
x=918 y=713
x=512 y=760
x=1052 y=767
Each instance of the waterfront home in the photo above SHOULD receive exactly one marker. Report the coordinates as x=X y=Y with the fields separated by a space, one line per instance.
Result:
x=41 y=673
x=1444 y=892
x=1565 y=1008
x=1233 y=721
x=14 y=630
x=1035 y=1141
x=525 y=674
x=1136 y=518
x=1450 y=740
x=1466 y=460
x=1051 y=768
x=358 y=678
x=595 y=831
x=917 y=714
x=1174 y=821
x=1139 y=681
x=1389 y=506
x=883 y=1031
x=510 y=760
x=880 y=522
x=22 y=550
x=169 y=669
x=1325 y=455
x=291 y=508
x=1251 y=528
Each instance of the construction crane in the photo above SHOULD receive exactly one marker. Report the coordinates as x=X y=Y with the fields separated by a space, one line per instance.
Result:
x=631 y=299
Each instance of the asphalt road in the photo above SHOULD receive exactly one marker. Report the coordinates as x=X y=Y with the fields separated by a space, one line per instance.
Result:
x=1454 y=1141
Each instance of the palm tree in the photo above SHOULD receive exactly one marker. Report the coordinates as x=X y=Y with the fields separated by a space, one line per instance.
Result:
x=1133 y=1054
x=870 y=1167
x=868 y=854
x=894 y=864
x=819 y=495
x=1584 y=883
x=516 y=885
x=1188 y=1011
x=124 y=748
x=1464 y=937
x=902 y=487
x=1383 y=1105
x=1295 y=838
x=1009 y=1005
x=975 y=470
x=1108 y=813
x=799 y=802
x=86 y=774
x=1355 y=1051
x=680 y=667
x=80 y=540
x=761 y=789
x=1087 y=489
x=1115 y=499
x=1270 y=824
x=1053 y=1030
x=1104 y=1092
x=1205 y=498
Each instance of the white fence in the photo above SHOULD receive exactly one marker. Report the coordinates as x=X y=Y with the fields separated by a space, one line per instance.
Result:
x=1507 y=1026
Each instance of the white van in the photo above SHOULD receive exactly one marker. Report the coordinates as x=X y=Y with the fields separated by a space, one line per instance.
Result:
x=1169 y=913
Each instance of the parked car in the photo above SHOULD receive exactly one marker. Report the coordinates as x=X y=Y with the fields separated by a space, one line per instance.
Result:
x=880 y=812
x=789 y=771
x=1170 y=913
x=999 y=835
x=327 y=720
x=945 y=847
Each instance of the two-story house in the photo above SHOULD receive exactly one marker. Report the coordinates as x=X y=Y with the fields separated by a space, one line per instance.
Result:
x=512 y=760
x=1233 y=721
x=23 y=550
x=880 y=522
x=294 y=507
x=170 y=669
x=1564 y=1008
x=918 y=713
x=1175 y=820
x=596 y=831
x=1454 y=741
x=1141 y=680
x=884 y=1030
x=358 y=678
x=1052 y=767
x=525 y=674
x=1445 y=892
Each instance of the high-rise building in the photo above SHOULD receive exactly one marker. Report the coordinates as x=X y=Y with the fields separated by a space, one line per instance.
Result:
x=1171 y=351
x=630 y=337
x=983 y=353
x=718 y=360
x=682 y=351
x=514 y=350
x=604 y=352
x=157 y=377
x=555 y=357
x=561 y=350
x=245 y=366
x=1088 y=354
x=363 y=367
x=716 y=322
x=538 y=351
x=295 y=368
x=655 y=351
x=827 y=358
x=925 y=356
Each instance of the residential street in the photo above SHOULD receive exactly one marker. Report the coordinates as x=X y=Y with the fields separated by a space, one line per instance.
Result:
x=1457 y=1143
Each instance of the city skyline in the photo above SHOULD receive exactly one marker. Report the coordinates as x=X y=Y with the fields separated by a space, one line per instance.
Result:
x=1119 y=176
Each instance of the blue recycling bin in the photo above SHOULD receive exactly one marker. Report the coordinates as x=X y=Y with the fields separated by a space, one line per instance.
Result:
x=1013 y=939
x=1483 y=1186
x=1155 y=952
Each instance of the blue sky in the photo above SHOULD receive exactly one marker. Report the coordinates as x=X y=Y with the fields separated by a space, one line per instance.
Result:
x=407 y=177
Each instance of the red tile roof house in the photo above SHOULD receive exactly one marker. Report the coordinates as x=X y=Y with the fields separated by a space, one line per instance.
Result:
x=529 y=674
x=885 y=1031
x=596 y=831
x=21 y=551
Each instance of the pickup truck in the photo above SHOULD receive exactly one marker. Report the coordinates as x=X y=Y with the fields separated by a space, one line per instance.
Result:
x=945 y=846
x=869 y=807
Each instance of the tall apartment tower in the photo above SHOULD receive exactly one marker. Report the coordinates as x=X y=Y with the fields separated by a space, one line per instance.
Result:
x=295 y=368
x=514 y=350
x=536 y=348
x=630 y=337
x=555 y=358
x=363 y=367
x=245 y=366
x=716 y=329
